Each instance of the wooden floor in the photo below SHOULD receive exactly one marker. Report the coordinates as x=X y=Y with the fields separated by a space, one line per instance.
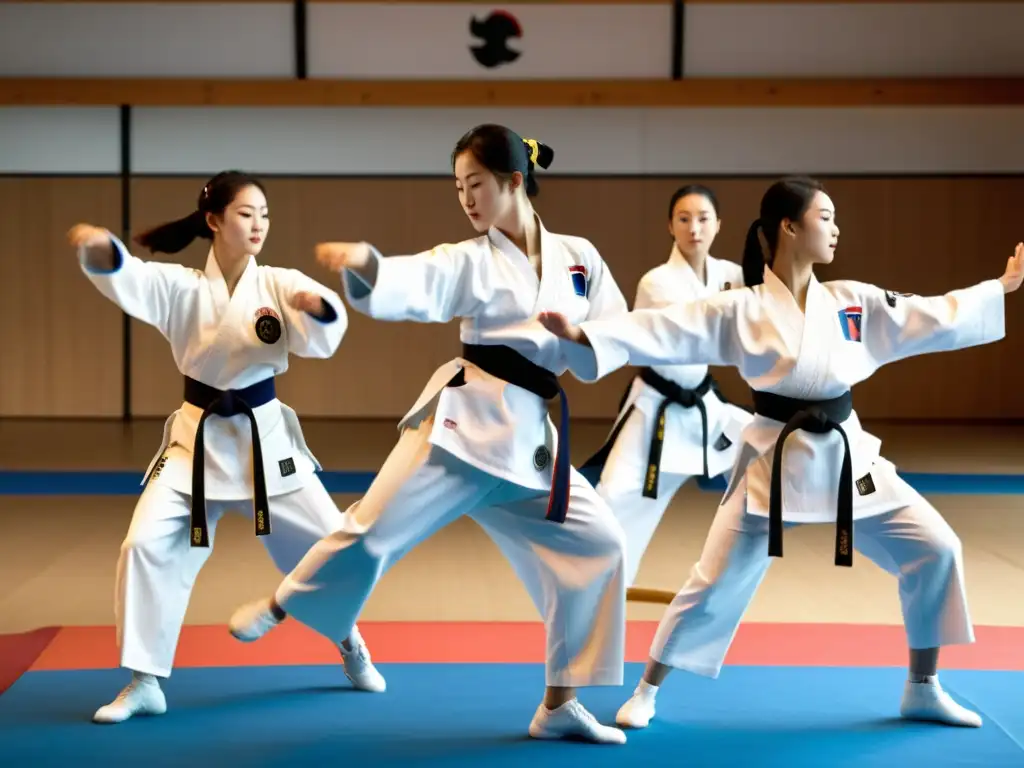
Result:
x=57 y=553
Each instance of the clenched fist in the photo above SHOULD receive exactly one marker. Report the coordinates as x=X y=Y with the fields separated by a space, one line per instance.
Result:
x=311 y=303
x=339 y=256
x=95 y=241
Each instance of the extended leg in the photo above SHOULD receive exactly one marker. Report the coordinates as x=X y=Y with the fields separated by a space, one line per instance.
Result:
x=918 y=546
x=575 y=575
x=418 y=491
x=156 y=571
x=699 y=626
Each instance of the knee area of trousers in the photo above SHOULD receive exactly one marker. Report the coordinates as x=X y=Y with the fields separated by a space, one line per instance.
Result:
x=138 y=545
x=947 y=552
x=609 y=539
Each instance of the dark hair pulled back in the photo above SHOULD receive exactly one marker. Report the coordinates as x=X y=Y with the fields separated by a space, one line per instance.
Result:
x=787 y=198
x=216 y=196
x=693 y=189
x=502 y=151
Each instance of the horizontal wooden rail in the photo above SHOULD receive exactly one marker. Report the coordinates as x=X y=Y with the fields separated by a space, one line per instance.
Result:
x=696 y=92
x=467 y=2
x=559 y=2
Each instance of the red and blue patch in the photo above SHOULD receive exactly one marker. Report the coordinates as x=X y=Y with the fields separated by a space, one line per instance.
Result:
x=849 y=321
x=578 y=274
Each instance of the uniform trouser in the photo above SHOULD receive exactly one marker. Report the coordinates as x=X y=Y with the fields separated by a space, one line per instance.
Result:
x=621 y=486
x=913 y=543
x=573 y=571
x=157 y=566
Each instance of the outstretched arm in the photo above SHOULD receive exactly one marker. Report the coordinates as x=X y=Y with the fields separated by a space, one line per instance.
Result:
x=143 y=289
x=897 y=326
x=704 y=331
x=430 y=287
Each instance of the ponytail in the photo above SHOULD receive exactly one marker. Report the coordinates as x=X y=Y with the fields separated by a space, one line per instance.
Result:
x=504 y=152
x=786 y=199
x=175 y=236
x=538 y=154
x=754 y=257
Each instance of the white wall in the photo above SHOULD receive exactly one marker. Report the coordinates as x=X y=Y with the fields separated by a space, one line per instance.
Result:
x=408 y=41
x=851 y=39
x=381 y=141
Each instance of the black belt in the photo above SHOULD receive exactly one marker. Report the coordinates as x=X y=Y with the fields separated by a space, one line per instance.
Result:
x=508 y=365
x=672 y=394
x=227 y=403
x=819 y=417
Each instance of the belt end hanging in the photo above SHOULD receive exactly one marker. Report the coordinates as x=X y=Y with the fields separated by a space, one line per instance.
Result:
x=261 y=517
x=558 y=501
x=844 y=546
x=199 y=531
x=775 y=526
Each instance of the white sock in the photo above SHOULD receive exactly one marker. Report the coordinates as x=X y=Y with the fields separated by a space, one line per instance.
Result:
x=646 y=690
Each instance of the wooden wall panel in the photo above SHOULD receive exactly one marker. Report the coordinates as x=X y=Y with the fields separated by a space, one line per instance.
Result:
x=61 y=354
x=921 y=235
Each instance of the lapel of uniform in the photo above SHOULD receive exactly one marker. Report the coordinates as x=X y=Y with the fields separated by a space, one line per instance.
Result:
x=785 y=311
x=809 y=334
x=555 y=272
x=218 y=288
x=715 y=274
x=822 y=329
x=520 y=263
x=690 y=286
x=228 y=324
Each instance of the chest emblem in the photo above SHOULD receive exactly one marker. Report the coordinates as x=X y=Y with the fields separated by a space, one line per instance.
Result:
x=268 y=325
x=578 y=274
x=849 y=321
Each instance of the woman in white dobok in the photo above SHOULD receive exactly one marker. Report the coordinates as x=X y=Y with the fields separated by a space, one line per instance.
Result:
x=673 y=424
x=232 y=446
x=801 y=345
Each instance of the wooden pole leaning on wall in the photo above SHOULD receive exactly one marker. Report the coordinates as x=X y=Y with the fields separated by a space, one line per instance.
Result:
x=687 y=92
x=643 y=595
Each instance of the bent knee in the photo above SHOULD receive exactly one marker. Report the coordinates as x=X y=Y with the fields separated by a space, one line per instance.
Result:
x=946 y=551
x=607 y=537
x=156 y=549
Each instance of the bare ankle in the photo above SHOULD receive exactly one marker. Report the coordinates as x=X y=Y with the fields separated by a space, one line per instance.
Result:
x=656 y=672
x=556 y=697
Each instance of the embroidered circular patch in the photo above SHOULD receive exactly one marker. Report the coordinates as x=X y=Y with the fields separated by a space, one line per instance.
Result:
x=268 y=325
x=541 y=457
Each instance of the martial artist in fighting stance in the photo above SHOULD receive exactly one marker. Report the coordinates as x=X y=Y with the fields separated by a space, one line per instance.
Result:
x=801 y=345
x=479 y=440
x=232 y=445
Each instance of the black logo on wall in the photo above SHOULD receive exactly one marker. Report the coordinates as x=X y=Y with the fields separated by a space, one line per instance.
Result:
x=495 y=31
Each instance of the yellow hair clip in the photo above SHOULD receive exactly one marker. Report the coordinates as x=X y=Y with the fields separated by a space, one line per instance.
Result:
x=534 y=149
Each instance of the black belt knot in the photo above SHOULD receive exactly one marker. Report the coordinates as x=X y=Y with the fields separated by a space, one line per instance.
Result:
x=506 y=364
x=817 y=417
x=672 y=394
x=225 y=404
